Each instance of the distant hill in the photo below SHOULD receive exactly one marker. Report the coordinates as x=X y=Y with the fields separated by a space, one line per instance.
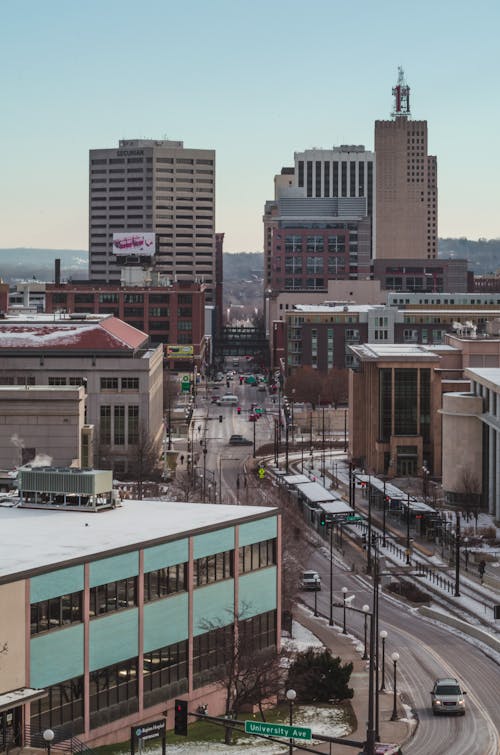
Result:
x=483 y=254
x=21 y=263
x=243 y=268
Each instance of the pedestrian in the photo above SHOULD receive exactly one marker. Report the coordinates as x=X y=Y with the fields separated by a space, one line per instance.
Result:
x=182 y=458
x=482 y=569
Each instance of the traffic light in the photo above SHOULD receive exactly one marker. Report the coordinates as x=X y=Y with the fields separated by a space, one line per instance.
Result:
x=220 y=417
x=322 y=519
x=363 y=540
x=181 y=718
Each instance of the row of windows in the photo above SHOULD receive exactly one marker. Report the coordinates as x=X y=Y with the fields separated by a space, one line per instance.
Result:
x=165 y=666
x=122 y=594
x=63 y=704
x=127 y=384
x=106 y=431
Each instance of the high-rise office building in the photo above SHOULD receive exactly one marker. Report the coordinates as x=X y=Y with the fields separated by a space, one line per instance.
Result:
x=406 y=184
x=319 y=226
x=158 y=187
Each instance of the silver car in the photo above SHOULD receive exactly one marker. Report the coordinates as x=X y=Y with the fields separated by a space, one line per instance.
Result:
x=448 y=697
x=310 y=580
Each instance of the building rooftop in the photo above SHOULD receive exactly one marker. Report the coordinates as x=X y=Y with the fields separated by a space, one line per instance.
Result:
x=394 y=351
x=53 y=332
x=326 y=309
x=34 y=540
x=489 y=375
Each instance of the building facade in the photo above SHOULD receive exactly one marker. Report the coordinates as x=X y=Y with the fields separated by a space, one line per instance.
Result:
x=155 y=186
x=140 y=611
x=122 y=374
x=44 y=421
x=394 y=397
x=172 y=314
x=406 y=201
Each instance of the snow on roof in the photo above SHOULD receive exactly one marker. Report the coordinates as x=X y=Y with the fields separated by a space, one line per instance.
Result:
x=488 y=374
x=102 y=334
x=394 y=350
x=40 y=539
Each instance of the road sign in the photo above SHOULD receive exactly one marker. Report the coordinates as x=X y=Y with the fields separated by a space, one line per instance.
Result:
x=185 y=384
x=149 y=731
x=278 y=730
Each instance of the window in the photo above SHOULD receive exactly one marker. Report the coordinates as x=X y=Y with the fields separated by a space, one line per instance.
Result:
x=109 y=384
x=158 y=311
x=133 y=424
x=76 y=381
x=119 y=425
x=165 y=666
x=105 y=425
x=257 y=555
x=130 y=384
x=113 y=596
x=211 y=650
x=166 y=581
x=133 y=298
x=213 y=568
x=56 y=612
x=113 y=689
x=259 y=632
x=108 y=298
x=405 y=401
x=63 y=704
x=57 y=380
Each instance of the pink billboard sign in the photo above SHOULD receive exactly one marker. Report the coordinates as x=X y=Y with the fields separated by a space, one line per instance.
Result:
x=125 y=244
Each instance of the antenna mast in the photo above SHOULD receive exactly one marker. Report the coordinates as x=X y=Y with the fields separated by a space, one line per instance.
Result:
x=401 y=94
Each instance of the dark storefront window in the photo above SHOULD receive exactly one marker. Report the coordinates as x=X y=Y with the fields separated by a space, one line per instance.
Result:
x=405 y=401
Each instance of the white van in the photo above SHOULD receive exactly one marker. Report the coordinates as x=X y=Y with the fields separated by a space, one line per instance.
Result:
x=228 y=400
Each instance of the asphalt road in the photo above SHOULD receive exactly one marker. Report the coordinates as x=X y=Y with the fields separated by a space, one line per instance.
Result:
x=427 y=651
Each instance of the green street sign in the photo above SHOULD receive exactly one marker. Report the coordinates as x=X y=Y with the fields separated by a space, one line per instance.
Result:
x=186 y=384
x=352 y=519
x=278 y=730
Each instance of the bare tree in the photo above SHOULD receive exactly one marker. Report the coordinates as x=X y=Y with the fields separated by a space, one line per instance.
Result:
x=143 y=461
x=468 y=493
x=248 y=674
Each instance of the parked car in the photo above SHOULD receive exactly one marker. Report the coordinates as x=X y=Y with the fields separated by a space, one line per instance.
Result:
x=448 y=697
x=239 y=440
x=310 y=580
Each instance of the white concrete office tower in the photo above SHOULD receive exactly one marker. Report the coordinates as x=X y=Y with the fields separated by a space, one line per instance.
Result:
x=158 y=187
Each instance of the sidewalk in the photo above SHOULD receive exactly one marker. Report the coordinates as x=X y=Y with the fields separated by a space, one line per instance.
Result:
x=342 y=645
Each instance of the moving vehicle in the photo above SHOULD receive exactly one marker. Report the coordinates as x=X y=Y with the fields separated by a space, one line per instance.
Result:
x=239 y=440
x=448 y=697
x=228 y=400
x=310 y=580
x=261 y=387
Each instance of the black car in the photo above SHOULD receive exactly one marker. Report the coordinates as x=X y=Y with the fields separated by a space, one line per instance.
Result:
x=239 y=440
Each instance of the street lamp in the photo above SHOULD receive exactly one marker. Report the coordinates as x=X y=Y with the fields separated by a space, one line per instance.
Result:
x=290 y=696
x=383 y=637
x=48 y=736
x=344 y=593
x=316 y=583
x=366 y=610
x=395 y=659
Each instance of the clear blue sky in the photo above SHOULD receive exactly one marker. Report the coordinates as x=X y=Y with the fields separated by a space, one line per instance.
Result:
x=255 y=80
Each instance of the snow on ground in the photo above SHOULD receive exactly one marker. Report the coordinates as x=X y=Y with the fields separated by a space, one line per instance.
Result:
x=301 y=639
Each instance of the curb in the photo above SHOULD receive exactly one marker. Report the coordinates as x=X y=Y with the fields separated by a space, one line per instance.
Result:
x=463 y=626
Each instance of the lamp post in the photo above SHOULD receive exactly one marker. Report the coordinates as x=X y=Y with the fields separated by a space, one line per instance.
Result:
x=330 y=619
x=457 y=555
x=369 y=538
x=383 y=637
x=290 y=696
x=366 y=610
x=48 y=736
x=395 y=659
x=344 y=593
x=345 y=431
x=316 y=581
x=408 y=530
x=384 y=528
x=204 y=471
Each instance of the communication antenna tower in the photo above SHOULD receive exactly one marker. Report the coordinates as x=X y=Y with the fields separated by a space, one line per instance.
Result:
x=401 y=94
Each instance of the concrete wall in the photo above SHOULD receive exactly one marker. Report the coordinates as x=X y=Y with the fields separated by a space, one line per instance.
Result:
x=462 y=440
x=12 y=637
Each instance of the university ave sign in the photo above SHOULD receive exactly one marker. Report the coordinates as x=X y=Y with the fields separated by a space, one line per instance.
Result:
x=278 y=730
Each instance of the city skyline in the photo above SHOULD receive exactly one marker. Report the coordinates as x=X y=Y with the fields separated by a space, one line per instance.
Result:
x=255 y=83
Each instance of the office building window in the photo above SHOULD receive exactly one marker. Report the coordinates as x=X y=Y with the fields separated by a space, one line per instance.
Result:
x=385 y=403
x=166 y=581
x=56 y=612
x=133 y=424
x=257 y=555
x=165 y=666
x=113 y=690
x=109 y=384
x=130 y=384
x=405 y=401
x=113 y=596
x=63 y=704
x=213 y=568
x=105 y=425
x=119 y=425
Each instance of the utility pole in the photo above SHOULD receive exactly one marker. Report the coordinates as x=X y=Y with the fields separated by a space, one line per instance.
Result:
x=457 y=555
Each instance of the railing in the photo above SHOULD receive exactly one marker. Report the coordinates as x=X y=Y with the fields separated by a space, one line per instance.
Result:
x=64 y=741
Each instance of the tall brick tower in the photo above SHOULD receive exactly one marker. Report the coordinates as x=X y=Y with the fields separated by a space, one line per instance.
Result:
x=406 y=184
